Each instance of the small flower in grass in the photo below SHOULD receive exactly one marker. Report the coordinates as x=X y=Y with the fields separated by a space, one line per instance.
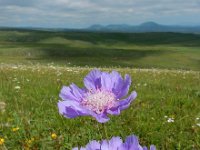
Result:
x=170 y=120
x=17 y=87
x=116 y=143
x=2 y=141
x=54 y=136
x=15 y=129
x=14 y=67
x=198 y=124
x=104 y=94
x=30 y=141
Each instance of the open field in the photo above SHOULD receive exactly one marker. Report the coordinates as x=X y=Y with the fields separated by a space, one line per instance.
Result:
x=136 y=50
x=34 y=65
x=31 y=115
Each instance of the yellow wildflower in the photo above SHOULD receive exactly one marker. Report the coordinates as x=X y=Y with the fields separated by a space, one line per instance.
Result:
x=2 y=141
x=53 y=136
x=15 y=129
x=30 y=141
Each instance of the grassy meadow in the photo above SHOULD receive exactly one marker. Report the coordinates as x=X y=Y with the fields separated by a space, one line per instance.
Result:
x=34 y=65
x=135 y=50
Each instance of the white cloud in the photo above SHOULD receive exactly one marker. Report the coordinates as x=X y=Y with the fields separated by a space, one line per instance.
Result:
x=77 y=13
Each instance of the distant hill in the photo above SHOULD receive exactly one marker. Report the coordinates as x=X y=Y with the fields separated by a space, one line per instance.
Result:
x=145 y=27
x=124 y=28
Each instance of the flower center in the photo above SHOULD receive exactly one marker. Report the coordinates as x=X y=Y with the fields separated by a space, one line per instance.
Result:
x=99 y=101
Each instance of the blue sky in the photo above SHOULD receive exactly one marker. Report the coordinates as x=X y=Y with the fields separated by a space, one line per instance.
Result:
x=83 y=13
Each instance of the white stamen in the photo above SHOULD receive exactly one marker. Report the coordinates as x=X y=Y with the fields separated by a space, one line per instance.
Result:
x=99 y=100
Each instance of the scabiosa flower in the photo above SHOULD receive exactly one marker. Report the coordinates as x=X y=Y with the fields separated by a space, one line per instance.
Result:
x=103 y=94
x=116 y=143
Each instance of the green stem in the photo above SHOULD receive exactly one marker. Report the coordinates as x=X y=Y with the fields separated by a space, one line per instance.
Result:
x=105 y=130
x=99 y=130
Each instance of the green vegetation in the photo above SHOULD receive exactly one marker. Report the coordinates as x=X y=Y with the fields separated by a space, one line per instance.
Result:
x=162 y=95
x=142 y=50
x=34 y=65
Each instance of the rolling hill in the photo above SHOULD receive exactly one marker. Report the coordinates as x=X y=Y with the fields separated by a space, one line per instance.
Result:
x=98 y=49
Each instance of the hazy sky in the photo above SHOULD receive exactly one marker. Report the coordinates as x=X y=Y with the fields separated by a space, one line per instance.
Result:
x=83 y=13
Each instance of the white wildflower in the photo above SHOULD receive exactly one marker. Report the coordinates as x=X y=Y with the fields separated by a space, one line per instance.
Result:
x=170 y=120
x=17 y=87
x=14 y=67
x=59 y=73
x=69 y=70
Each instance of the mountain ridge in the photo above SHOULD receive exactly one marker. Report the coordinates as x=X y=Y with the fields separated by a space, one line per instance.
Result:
x=149 y=26
x=144 y=27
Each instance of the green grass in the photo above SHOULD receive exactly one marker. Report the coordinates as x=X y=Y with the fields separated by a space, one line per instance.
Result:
x=142 y=50
x=40 y=63
x=33 y=108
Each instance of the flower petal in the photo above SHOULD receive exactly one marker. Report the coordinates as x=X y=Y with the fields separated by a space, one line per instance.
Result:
x=105 y=145
x=123 y=91
x=120 y=86
x=101 y=118
x=71 y=109
x=115 y=142
x=132 y=139
x=123 y=104
x=132 y=143
x=106 y=82
x=93 y=80
x=114 y=111
x=72 y=92
x=144 y=148
x=93 y=145
x=117 y=82
x=152 y=147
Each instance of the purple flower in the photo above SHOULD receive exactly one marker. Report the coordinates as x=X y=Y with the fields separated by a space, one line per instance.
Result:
x=103 y=94
x=116 y=143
